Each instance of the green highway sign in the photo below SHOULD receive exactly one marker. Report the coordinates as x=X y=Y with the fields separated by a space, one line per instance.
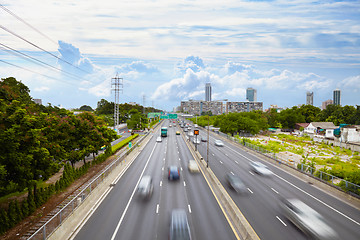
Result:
x=172 y=116
x=164 y=117
x=154 y=114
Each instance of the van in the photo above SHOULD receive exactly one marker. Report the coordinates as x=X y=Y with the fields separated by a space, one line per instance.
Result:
x=145 y=187
x=179 y=226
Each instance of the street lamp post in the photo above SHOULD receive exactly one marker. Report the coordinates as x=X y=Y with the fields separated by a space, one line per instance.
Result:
x=207 y=151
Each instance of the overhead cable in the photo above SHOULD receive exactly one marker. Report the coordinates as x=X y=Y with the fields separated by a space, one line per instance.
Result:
x=11 y=32
x=22 y=20
x=35 y=60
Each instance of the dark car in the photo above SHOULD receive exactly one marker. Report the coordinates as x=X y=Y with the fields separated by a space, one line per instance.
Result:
x=174 y=173
x=235 y=183
x=179 y=226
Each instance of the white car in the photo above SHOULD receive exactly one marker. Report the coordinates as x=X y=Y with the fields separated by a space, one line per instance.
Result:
x=260 y=168
x=158 y=139
x=196 y=141
x=307 y=219
x=193 y=167
x=219 y=143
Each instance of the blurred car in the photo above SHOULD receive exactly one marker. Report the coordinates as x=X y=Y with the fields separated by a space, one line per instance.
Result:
x=307 y=219
x=260 y=168
x=193 y=167
x=179 y=225
x=235 y=183
x=191 y=134
x=203 y=139
x=177 y=132
x=170 y=125
x=196 y=141
x=185 y=129
x=219 y=143
x=145 y=187
x=174 y=173
x=158 y=139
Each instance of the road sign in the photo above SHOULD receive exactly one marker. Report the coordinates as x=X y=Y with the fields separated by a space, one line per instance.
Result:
x=130 y=145
x=196 y=132
x=153 y=114
x=164 y=117
x=172 y=116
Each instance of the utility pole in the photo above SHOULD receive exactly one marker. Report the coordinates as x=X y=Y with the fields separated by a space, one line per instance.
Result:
x=144 y=97
x=117 y=86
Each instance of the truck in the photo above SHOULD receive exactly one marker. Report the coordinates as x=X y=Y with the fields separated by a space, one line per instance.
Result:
x=164 y=132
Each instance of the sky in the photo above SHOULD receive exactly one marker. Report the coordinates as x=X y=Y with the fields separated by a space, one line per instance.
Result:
x=165 y=51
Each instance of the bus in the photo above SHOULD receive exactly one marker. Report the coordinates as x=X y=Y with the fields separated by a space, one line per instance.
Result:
x=164 y=131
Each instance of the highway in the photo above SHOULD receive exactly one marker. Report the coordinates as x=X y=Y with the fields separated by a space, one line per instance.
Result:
x=123 y=215
x=260 y=205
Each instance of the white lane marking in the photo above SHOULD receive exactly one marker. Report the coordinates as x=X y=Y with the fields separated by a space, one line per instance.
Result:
x=189 y=208
x=157 y=208
x=162 y=169
x=164 y=159
x=213 y=154
x=131 y=197
x=179 y=159
x=275 y=191
x=232 y=173
x=226 y=154
x=251 y=173
x=250 y=190
x=236 y=162
x=181 y=168
x=160 y=183
x=221 y=162
x=178 y=152
x=327 y=205
x=184 y=184
x=281 y=221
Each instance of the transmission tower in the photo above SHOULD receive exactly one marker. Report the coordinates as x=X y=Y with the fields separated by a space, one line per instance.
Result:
x=117 y=87
x=144 y=99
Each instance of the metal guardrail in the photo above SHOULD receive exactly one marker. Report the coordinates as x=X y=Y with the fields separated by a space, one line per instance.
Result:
x=55 y=221
x=326 y=177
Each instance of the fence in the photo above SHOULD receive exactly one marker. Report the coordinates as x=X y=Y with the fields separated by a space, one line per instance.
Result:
x=331 y=179
x=49 y=226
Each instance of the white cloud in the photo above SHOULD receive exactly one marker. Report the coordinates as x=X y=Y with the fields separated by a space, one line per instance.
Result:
x=352 y=83
x=41 y=89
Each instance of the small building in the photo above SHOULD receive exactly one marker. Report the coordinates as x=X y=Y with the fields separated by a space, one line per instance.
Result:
x=350 y=134
x=298 y=126
x=319 y=127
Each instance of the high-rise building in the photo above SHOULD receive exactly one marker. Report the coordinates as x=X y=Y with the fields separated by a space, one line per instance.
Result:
x=309 y=98
x=327 y=102
x=251 y=94
x=337 y=97
x=208 y=92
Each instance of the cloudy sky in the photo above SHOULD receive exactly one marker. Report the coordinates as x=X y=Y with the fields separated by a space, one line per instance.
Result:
x=166 y=51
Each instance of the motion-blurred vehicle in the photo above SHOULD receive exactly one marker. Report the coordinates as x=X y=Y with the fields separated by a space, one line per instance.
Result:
x=185 y=129
x=170 y=126
x=260 y=168
x=177 y=132
x=203 y=139
x=174 y=173
x=196 y=140
x=235 y=183
x=191 y=134
x=307 y=219
x=158 y=139
x=145 y=187
x=219 y=143
x=193 y=167
x=179 y=225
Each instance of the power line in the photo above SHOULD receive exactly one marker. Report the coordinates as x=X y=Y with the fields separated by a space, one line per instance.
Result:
x=20 y=19
x=35 y=60
x=11 y=32
x=33 y=71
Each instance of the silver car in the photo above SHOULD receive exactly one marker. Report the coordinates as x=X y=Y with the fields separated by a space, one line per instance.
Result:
x=145 y=187
x=260 y=168
x=307 y=219
x=219 y=143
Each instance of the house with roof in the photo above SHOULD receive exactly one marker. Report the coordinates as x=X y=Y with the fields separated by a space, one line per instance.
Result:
x=350 y=134
x=319 y=128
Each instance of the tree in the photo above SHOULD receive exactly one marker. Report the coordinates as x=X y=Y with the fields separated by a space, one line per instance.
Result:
x=86 y=108
x=310 y=113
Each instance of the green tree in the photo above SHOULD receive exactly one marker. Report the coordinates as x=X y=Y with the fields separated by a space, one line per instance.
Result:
x=310 y=113
x=86 y=108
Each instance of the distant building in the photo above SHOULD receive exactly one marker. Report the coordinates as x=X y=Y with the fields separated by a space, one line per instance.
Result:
x=243 y=106
x=38 y=101
x=197 y=107
x=310 y=98
x=208 y=92
x=337 y=97
x=251 y=95
x=274 y=106
x=327 y=102
x=132 y=103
